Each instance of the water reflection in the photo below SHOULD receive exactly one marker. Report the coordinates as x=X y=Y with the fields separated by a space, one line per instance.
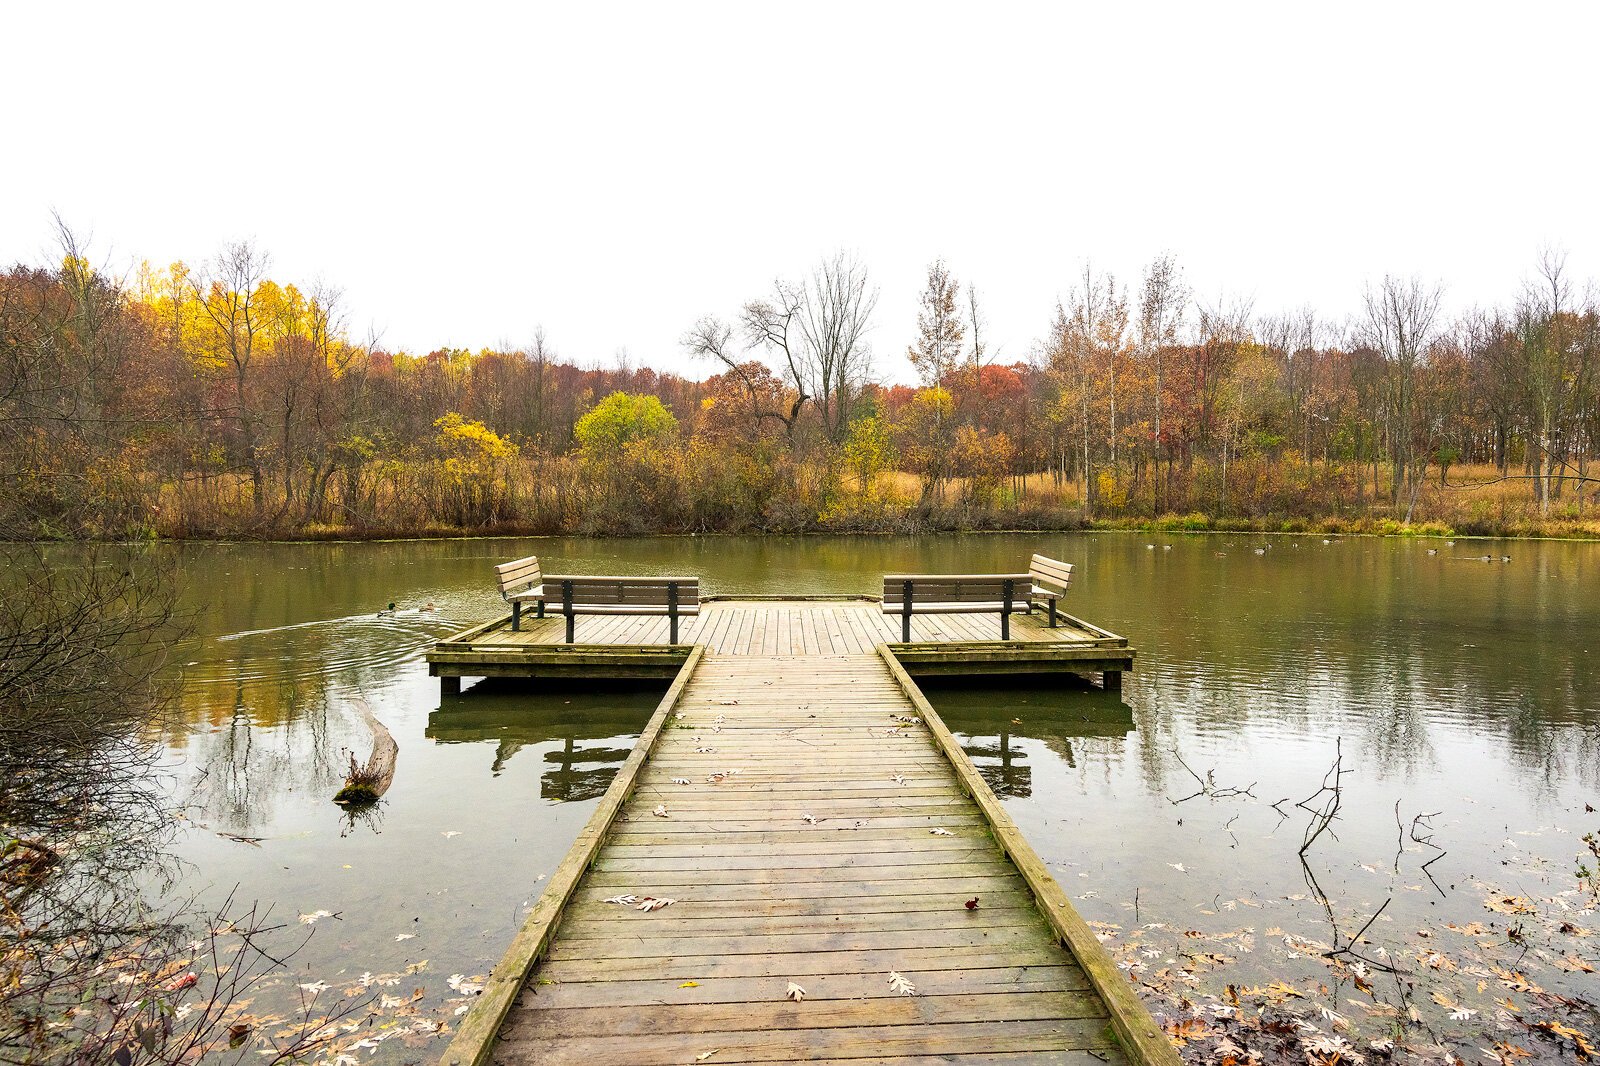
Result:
x=585 y=731
x=1053 y=711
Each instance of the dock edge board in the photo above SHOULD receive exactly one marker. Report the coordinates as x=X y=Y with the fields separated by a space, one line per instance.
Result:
x=1134 y=1025
x=474 y=1042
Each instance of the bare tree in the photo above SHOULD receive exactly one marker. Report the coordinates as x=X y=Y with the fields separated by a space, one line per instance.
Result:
x=228 y=296
x=1400 y=324
x=1556 y=346
x=835 y=313
x=712 y=338
x=974 y=318
x=816 y=329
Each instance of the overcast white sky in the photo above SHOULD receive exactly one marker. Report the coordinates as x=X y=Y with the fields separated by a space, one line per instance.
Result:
x=465 y=172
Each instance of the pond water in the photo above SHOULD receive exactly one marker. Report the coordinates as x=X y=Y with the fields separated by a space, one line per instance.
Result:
x=1459 y=690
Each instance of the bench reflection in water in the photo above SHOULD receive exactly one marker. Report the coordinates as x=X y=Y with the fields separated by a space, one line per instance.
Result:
x=586 y=733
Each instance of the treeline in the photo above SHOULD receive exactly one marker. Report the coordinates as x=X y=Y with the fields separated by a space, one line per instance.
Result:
x=219 y=402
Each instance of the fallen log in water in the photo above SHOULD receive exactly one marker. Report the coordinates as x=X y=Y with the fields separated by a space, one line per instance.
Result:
x=366 y=783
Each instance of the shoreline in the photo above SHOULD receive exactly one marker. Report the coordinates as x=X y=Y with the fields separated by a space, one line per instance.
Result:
x=1329 y=527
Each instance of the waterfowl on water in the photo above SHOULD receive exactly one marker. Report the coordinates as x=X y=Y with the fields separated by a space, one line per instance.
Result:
x=1505 y=558
x=1166 y=547
x=1149 y=547
x=1261 y=551
x=1433 y=551
x=387 y=612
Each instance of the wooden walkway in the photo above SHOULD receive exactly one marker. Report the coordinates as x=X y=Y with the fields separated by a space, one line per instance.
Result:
x=815 y=826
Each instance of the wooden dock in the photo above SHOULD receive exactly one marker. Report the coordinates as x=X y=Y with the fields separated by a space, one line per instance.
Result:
x=819 y=833
x=633 y=646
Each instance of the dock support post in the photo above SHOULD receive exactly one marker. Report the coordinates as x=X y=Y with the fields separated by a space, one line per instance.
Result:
x=449 y=686
x=1111 y=680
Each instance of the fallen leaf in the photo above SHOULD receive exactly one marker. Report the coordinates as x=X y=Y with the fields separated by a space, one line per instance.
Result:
x=941 y=832
x=680 y=780
x=660 y=811
x=690 y=984
x=795 y=992
x=404 y=936
x=448 y=833
x=460 y=983
x=897 y=779
x=972 y=904
x=809 y=819
x=311 y=919
x=899 y=984
x=652 y=903
x=704 y=1055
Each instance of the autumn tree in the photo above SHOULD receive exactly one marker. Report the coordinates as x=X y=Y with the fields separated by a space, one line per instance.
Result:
x=1084 y=352
x=939 y=330
x=1163 y=299
x=621 y=419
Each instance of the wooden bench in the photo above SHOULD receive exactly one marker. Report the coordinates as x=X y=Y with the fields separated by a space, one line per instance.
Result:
x=521 y=582
x=1051 y=579
x=675 y=597
x=1047 y=580
x=909 y=594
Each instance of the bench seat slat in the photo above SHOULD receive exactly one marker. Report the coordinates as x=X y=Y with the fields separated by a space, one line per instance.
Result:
x=607 y=608
x=1018 y=605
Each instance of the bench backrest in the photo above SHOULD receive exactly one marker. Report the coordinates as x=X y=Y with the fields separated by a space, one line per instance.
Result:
x=1052 y=575
x=624 y=591
x=518 y=575
x=955 y=588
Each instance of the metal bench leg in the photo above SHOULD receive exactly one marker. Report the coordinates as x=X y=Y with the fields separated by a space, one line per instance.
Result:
x=905 y=612
x=566 y=609
x=1052 y=612
x=540 y=612
x=672 y=610
x=1005 y=613
x=516 y=615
